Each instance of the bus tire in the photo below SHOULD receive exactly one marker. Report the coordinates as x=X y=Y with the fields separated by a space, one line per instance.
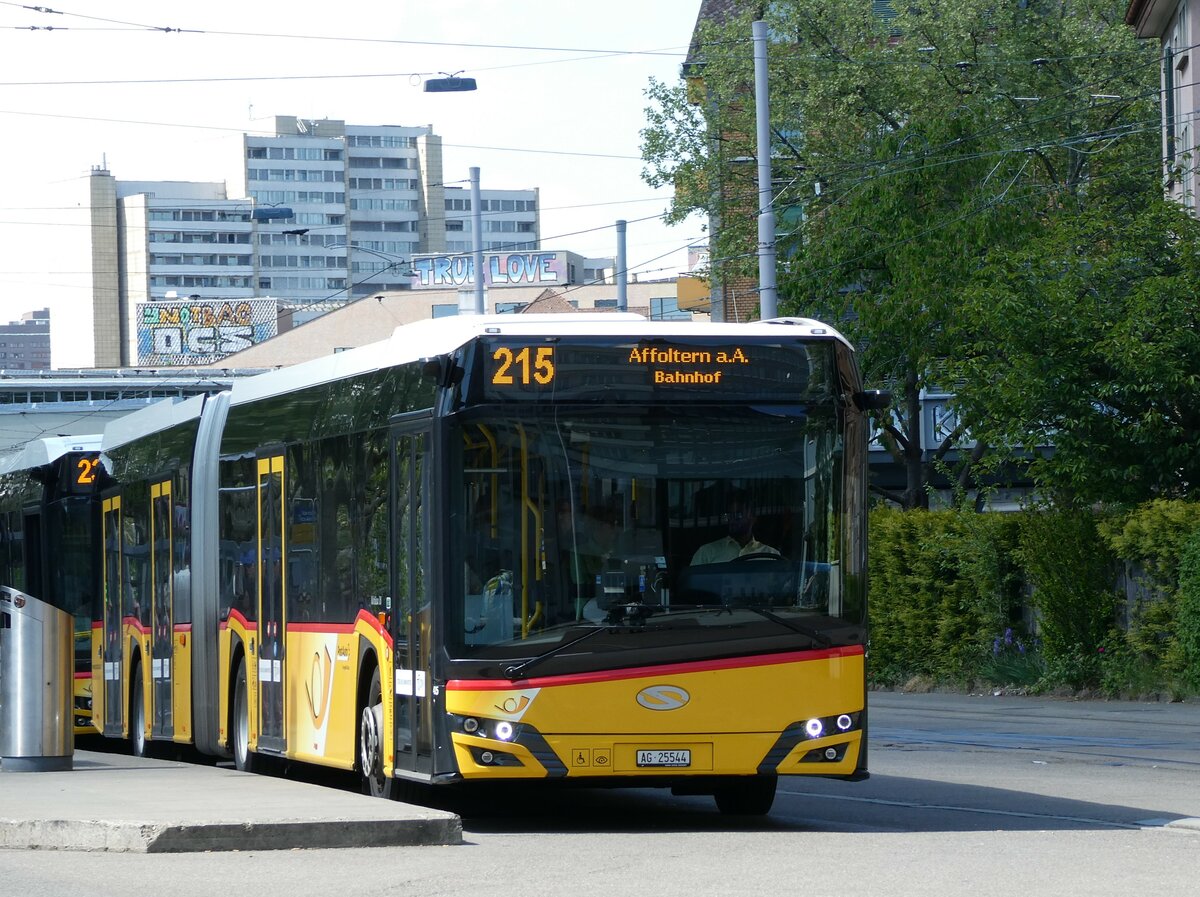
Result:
x=370 y=744
x=239 y=726
x=137 y=715
x=746 y=796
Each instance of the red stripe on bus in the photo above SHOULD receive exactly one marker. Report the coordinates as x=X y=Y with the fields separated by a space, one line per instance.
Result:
x=364 y=616
x=672 y=669
x=374 y=622
x=334 y=628
x=237 y=615
x=320 y=627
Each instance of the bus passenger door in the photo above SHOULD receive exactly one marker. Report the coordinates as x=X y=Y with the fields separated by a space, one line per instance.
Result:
x=110 y=716
x=411 y=612
x=162 y=563
x=271 y=594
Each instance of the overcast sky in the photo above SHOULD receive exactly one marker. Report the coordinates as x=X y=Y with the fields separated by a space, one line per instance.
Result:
x=559 y=107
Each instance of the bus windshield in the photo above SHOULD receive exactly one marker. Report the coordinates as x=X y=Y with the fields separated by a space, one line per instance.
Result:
x=599 y=537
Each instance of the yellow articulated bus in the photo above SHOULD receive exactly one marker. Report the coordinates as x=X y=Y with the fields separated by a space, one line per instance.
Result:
x=48 y=520
x=587 y=548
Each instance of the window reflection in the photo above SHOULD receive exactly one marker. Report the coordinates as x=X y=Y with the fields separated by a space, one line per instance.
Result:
x=602 y=517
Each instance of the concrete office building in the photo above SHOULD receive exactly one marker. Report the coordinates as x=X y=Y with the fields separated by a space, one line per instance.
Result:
x=326 y=213
x=372 y=195
x=162 y=240
x=25 y=344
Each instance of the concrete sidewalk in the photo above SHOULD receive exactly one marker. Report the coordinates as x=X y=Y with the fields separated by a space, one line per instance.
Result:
x=121 y=803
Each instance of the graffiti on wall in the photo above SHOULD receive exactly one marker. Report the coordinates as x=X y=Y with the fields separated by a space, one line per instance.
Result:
x=202 y=331
x=508 y=269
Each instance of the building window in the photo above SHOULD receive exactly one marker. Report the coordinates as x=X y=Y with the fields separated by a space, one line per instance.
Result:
x=667 y=309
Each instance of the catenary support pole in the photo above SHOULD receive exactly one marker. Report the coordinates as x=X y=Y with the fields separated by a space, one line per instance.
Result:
x=767 y=296
x=477 y=241
x=622 y=270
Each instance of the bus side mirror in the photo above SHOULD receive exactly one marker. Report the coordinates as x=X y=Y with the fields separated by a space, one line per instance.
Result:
x=873 y=399
x=442 y=370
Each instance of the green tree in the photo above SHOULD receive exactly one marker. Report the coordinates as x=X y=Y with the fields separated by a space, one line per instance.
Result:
x=1088 y=337
x=915 y=153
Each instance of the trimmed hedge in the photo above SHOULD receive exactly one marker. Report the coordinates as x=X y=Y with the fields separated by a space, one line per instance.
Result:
x=1189 y=611
x=949 y=591
x=1071 y=574
x=943 y=587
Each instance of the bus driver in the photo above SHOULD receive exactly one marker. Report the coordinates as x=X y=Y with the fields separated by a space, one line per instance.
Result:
x=740 y=541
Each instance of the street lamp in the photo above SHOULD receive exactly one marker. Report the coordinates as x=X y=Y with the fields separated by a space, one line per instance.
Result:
x=449 y=84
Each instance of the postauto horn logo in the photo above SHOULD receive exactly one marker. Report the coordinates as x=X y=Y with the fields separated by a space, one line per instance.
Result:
x=663 y=697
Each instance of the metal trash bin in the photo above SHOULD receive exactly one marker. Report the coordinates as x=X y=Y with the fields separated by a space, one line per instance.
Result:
x=37 y=678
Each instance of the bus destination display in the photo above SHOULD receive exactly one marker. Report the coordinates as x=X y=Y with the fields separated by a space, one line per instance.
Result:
x=82 y=471
x=587 y=369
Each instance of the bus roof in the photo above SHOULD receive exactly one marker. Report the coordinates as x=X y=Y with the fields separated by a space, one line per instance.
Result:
x=151 y=419
x=440 y=336
x=40 y=452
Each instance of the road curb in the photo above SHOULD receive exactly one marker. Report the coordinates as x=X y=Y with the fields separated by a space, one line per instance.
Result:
x=135 y=837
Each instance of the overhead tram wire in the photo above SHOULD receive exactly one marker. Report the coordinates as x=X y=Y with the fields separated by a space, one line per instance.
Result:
x=347 y=290
x=1117 y=132
x=108 y=82
x=261 y=133
x=1113 y=134
x=1130 y=128
x=1150 y=166
x=929 y=158
x=1000 y=128
x=672 y=52
x=200 y=204
x=136 y=394
x=987 y=206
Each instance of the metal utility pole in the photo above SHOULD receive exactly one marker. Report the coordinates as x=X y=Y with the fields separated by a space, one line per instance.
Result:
x=767 y=294
x=622 y=273
x=477 y=241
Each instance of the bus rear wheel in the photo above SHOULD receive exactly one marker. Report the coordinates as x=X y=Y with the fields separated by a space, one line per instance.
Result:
x=239 y=730
x=137 y=715
x=746 y=797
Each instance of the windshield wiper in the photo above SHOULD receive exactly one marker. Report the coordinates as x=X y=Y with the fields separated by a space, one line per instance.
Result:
x=512 y=672
x=799 y=628
x=815 y=634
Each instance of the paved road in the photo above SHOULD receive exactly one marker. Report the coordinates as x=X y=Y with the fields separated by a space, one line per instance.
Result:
x=969 y=795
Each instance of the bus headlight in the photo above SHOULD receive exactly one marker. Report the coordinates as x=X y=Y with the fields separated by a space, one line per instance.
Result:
x=504 y=731
x=844 y=722
x=814 y=728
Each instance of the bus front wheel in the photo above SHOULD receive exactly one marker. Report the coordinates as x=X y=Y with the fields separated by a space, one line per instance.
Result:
x=370 y=745
x=746 y=797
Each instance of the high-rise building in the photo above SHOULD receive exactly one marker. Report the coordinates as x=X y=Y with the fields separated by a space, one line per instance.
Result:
x=373 y=194
x=163 y=240
x=326 y=213
x=25 y=344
